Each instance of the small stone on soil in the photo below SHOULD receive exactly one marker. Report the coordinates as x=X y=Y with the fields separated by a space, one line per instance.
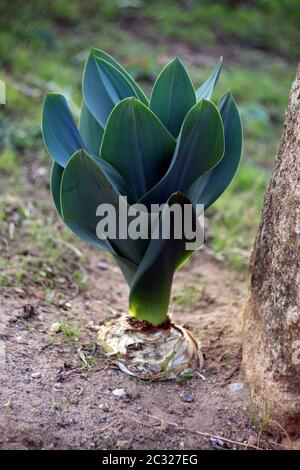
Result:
x=217 y=443
x=236 y=387
x=55 y=327
x=119 y=392
x=66 y=305
x=36 y=375
x=20 y=340
x=187 y=397
x=102 y=266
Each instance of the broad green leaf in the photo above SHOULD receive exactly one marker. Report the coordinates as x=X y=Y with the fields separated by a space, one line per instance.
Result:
x=85 y=233
x=103 y=87
x=62 y=138
x=207 y=88
x=200 y=146
x=137 y=144
x=90 y=130
x=138 y=91
x=172 y=96
x=151 y=287
x=84 y=187
x=213 y=183
x=60 y=133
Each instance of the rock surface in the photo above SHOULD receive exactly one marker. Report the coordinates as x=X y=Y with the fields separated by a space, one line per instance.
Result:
x=271 y=331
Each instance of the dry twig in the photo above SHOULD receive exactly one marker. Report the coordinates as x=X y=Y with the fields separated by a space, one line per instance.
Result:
x=203 y=434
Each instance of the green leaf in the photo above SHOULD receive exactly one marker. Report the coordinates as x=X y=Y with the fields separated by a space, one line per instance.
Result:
x=62 y=137
x=90 y=130
x=85 y=233
x=60 y=133
x=103 y=87
x=207 y=88
x=213 y=183
x=172 y=96
x=137 y=144
x=138 y=91
x=200 y=146
x=84 y=187
x=151 y=286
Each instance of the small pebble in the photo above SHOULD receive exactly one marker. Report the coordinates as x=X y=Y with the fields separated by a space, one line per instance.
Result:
x=217 y=444
x=55 y=327
x=236 y=387
x=36 y=375
x=187 y=397
x=119 y=392
x=102 y=266
x=20 y=340
x=67 y=305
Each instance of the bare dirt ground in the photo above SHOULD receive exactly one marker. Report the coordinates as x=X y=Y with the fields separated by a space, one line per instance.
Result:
x=56 y=389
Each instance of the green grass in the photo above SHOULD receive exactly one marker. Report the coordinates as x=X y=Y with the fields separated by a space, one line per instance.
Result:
x=234 y=217
x=262 y=95
x=8 y=164
x=59 y=406
x=262 y=24
x=70 y=331
x=40 y=254
x=265 y=24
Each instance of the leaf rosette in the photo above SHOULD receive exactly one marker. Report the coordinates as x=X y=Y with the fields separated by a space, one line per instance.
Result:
x=179 y=148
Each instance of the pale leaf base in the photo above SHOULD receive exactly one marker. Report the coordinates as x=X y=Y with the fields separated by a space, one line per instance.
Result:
x=150 y=353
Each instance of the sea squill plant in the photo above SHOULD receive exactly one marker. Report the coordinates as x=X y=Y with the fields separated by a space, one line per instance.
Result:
x=177 y=148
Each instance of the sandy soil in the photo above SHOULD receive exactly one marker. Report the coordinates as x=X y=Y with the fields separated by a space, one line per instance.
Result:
x=49 y=397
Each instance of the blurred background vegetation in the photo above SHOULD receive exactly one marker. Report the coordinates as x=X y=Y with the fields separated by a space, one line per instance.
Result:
x=43 y=46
